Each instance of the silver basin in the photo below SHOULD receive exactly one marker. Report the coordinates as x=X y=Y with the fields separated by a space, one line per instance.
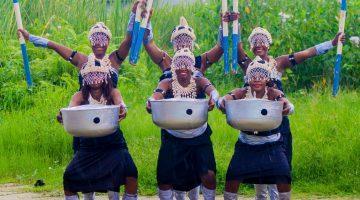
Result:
x=179 y=114
x=90 y=120
x=254 y=114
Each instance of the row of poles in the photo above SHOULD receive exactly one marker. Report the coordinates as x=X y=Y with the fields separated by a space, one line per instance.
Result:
x=140 y=28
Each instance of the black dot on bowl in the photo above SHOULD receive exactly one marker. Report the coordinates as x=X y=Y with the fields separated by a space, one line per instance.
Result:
x=189 y=111
x=264 y=112
x=96 y=120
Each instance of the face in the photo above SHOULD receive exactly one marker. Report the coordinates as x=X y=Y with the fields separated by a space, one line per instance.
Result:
x=260 y=48
x=96 y=86
x=183 y=41
x=99 y=49
x=258 y=85
x=183 y=74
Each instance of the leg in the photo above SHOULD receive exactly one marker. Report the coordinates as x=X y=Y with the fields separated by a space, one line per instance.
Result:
x=273 y=192
x=89 y=196
x=71 y=195
x=208 y=185
x=165 y=192
x=231 y=189
x=113 y=195
x=194 y=193
x=284 y=191
x=179 y=195
x=260 y=192
x=131 y=185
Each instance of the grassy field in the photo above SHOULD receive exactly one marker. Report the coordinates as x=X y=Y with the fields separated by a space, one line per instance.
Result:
x=325 y=129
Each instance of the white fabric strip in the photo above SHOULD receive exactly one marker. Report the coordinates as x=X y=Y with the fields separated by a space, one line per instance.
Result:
x=258 y=140
x=188 y=133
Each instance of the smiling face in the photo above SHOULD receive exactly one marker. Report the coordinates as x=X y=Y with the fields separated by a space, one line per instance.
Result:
x=260 y=48
x=100 y=50
x=183 y=74
x=258 y=85
x=99 y=43
x=258 y=74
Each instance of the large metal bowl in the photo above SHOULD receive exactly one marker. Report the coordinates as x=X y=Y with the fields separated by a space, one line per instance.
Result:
x=91 y=120
x=254 y=114
x=179 y=114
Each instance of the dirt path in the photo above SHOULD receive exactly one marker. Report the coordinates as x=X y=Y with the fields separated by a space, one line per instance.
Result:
x=16 y=192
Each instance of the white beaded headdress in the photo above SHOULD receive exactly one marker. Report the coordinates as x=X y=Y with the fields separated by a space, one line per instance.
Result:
x=260 y=34
x=183 y=58
x=99 y=34
x=183 y=36
x=95 y=71
x=258 y=69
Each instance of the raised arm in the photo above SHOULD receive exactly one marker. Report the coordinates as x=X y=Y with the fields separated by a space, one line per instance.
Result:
x=243 y=58
x=75 y=58
x=118 y=56
x=286 y=61
x=210 y=57
x=158 y=56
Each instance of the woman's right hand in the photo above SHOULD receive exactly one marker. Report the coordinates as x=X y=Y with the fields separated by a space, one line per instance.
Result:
x=24 y=33
x=229 y=16
x=59 y=117
x=148 y=106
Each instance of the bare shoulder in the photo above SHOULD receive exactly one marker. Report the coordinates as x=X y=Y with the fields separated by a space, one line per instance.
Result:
x=165 y=83
x=273 y=93
x=240 y=92
x=115 y=92
x=201 y=81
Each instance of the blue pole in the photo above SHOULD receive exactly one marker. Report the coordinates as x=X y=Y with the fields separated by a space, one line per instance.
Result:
x=337 y=67
x=22 y=43
x=135 y=33
x=225 y=45
x=235 y=38
x=140 y=36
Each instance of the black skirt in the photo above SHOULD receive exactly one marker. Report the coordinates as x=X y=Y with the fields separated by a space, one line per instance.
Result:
x=259 y=164
x=182 y=162
x=100 y=165
x=286 y=138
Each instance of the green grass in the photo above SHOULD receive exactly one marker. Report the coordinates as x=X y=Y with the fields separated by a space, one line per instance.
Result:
x=325 y=130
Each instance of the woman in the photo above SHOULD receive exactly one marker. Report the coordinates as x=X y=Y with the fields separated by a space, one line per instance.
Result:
x=101 y=164
x=99 y=37
x=188 y=150
x=260 y=40
x=183 y=36
x=259 y=157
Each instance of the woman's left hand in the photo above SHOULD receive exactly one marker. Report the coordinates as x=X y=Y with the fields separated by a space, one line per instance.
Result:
x=122 y=114
x=342 y=37
x=211 y=104
x=287 y=107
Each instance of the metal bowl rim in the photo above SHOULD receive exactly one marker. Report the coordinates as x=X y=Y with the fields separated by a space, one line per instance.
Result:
x=92 y=107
